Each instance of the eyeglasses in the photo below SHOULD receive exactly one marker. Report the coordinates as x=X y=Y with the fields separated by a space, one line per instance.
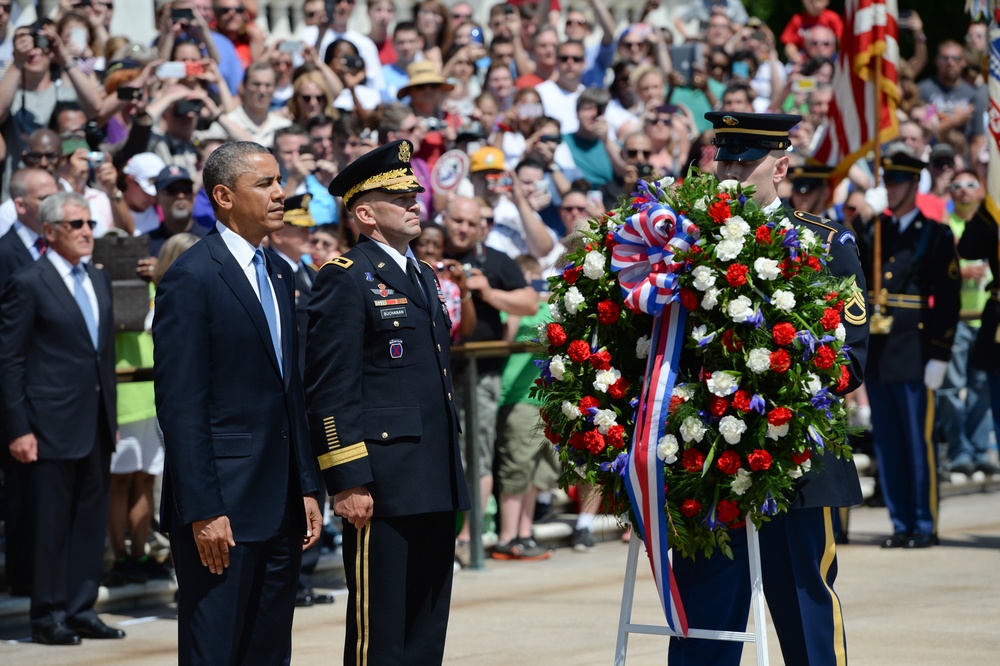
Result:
x=550 y=138
x=6 y=7
x=580 y=22
x=636 y=152
x=817 y=43
x=179 y=188
x=963 y=185
x=660 y=120
x=312 y=98
x=943 y=164
x=896 y=178
x=573 y=209
x=632 y=45
x=38 y=157
x=953 y=58
x=222 y=11
x=78 y=224
x=460 y=17
x=568 y=58
x=488 y=220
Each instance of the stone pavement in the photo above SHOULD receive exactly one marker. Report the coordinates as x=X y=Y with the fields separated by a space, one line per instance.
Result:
x=934 y=606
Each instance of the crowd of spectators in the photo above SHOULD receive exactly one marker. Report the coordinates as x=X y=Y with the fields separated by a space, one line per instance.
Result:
x=555 y=112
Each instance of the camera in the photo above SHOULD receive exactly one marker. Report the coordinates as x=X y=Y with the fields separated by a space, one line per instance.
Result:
x=178 y=14
x=41 y=41
x=95 y=158
x=440 y=267
x=290 y=46
x=186 y=106
x=354 y=62
x=645 y=170
x=129 y=94
x=509 y=9
x=432 y=124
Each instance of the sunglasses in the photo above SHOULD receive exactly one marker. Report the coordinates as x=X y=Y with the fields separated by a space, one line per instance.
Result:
x=573 y=209
x=6 y=7
x=312 y=98
x=580 y=22
x=222 y=11
x=633 y=45
x=78 y=224
x=943 y=164
x=179 y=188
x=963 y=185
x=953 y=58
x=893 y=178
x=550 y=138
x=567 y=58
x=488 y=220
x=637 y=152
x=660 y=120
x=460 y=17
x=38 y=157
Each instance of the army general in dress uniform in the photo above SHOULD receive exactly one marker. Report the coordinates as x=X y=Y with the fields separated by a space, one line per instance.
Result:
x=912 y=270
x=798 y=553
x=383 y=421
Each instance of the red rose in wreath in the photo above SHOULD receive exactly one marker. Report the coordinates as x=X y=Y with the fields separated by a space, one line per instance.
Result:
x=830 y=319
x=690 y=508
x=759 y=460
x=608 y=312
x=693 y=460
x=783 y=334
x=727 y=511
x=728 y=463
x=779 y=416
x=579 y=351
x=555 y=334
x=601 y=360
x=824 y=358
x=780 y=361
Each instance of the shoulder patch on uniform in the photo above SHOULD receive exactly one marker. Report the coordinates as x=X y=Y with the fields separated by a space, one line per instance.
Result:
x=814 y=219
x=343 y=262
x=847 y=236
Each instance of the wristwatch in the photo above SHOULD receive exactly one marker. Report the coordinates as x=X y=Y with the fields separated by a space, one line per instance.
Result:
x=117 y=196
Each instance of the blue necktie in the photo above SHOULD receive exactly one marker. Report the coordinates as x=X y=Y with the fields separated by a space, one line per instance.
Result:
x=83 y=301
x=267 y=302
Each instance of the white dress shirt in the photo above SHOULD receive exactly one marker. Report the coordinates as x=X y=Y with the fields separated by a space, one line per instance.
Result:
x=243 y=252
x=65 y=268
x=28 y=237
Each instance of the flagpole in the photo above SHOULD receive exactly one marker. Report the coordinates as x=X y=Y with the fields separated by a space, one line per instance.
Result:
x=878 y=119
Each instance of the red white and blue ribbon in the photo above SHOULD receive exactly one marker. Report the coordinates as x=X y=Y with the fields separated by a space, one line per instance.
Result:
x=644 y=259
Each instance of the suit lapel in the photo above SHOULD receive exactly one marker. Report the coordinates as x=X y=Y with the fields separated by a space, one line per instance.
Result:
x=55 y=284
x=236 y=280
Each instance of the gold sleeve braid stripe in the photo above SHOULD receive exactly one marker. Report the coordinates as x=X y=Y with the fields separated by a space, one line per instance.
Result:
x=343 y=455
x=330 y=428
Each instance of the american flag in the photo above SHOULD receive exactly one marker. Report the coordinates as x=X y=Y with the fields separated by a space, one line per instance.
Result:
x=851 y=131
x=992 y=202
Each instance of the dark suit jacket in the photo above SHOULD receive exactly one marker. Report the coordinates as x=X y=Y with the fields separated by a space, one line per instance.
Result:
x=979 y=241
x=13 y=255
x=379 y=386
x=55 y=384
x=304 y=278
x=234 y=428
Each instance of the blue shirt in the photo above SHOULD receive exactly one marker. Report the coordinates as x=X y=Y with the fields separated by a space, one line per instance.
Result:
x=591 y=159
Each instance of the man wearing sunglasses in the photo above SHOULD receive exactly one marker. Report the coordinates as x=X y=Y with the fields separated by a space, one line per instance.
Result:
x=636 y=151
x=560 y=94
x=915 y=300
x=959 y=105
x=57 y=357
x=175 y=197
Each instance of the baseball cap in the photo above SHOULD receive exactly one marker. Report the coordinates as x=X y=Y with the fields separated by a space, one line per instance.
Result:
x=144 y=168
x=487 y=158
x=171 y=175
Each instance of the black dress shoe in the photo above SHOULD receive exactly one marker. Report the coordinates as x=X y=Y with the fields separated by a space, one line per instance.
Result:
x=304 y=599
x=964 y=468
x=920 y=541
x=988 y=468
x=54 y=634
x=323 y=597
x=897 y=540
x=95 y=628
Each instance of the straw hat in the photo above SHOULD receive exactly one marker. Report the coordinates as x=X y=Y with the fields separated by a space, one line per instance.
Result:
x=423 y=73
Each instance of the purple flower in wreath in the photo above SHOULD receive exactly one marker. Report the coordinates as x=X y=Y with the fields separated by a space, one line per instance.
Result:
x=791 y=242
x=757 y=404
x=770 y=507
x=711 y=521
x=823 y=400
x=620 y=465
x=813 y=435
x=743 y=200
x=757 y=319
x=808 y=341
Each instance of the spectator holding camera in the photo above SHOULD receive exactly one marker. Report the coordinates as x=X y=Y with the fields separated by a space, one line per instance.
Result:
x=426 y=91
x=321 y=36
x=348 y=66
x=43 y=73
x=179 y=108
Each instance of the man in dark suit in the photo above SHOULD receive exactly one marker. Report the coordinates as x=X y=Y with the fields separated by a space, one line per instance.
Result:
x=239 y=486
x=290 y=243
x=383 y=420
x=912 y=268
x=21 y=246
x=797 y=548
x=57 y=358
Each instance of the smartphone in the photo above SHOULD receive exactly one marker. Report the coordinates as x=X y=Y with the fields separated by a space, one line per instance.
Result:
x=194 y=68
x=540 y=285
x=542 y=186
x=73 y=143
x=178 y=14
x=595 y=197
x=129 y=94
x=904 y=17
x=741 y=69
x=354 y=62
x=509 y=9
x=95 y=158
x=290 y=46
x=78 y=38
x=804 y=84
x=171 y=70
x=530 y=110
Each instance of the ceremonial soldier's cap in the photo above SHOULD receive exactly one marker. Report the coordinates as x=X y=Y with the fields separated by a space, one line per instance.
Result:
x=809 y=177
x=297 y=211
x=901 y=166
x=747 y=137
x=385 y=169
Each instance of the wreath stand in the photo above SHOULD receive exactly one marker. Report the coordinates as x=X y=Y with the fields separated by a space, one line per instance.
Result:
x=758 y=636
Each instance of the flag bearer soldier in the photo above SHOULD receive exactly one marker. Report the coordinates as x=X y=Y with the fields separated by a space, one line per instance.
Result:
x=381 y=410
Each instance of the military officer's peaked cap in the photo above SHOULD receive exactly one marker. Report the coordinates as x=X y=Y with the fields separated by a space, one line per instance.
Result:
x=385 y=169
x=808 y=177
x=297 y=211
x=902 y=163
x=747 y=137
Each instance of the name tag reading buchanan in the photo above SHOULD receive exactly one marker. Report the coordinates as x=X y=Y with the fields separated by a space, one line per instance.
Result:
x=393 y=313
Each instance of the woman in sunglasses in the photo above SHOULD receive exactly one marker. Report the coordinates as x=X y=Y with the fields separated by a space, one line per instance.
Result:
x=434 y=24
x=311 y=97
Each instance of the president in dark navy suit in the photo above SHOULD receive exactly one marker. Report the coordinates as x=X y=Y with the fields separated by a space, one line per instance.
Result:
x=57 y=360
x=240 y=483
x=383 y=420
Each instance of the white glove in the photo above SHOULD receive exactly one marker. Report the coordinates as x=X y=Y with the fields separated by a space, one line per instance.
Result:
x=934 y=374
x=877 y=198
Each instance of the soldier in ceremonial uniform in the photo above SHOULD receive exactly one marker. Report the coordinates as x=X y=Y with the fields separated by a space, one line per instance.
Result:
x=380 y=403
x=811 y=189
x=798 y=553
x=980 y=241
x=912 y=269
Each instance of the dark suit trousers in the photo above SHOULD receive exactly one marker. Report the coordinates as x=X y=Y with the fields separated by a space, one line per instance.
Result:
x=399 y=573
x=70 y=507
x=18 y=526
x=243 y=616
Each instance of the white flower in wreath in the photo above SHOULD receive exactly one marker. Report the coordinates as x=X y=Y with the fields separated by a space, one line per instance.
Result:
x=665 y=183
x=732 y=429
x=703 y=203
x=740 y=309
x=759 y=360
x=642 y=347
x=604 y=419
x=606 y=378
x=698 y=333
x=704 y=277
x=723 y=383
x=682 y=391
x=800 y=470
x=741 y=484
x=806 y=238
x=729 y=185
x=612 y=226
x=711 y=298
x=556 y=313
x=840 y=333
x=812 y=383
x=735 y=228
x=728 y=250
x=785 y=223
x=783 y=299
x=593 y=265
x=557 y=367
x=570 y=410
x=693 y=430
x=543 y=335
x=777 y=432
x=573 y=300
x=667 y=448
x=767 y=269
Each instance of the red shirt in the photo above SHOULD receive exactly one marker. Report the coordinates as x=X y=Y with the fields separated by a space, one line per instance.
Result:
x=386 y=51
x=795 y=31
